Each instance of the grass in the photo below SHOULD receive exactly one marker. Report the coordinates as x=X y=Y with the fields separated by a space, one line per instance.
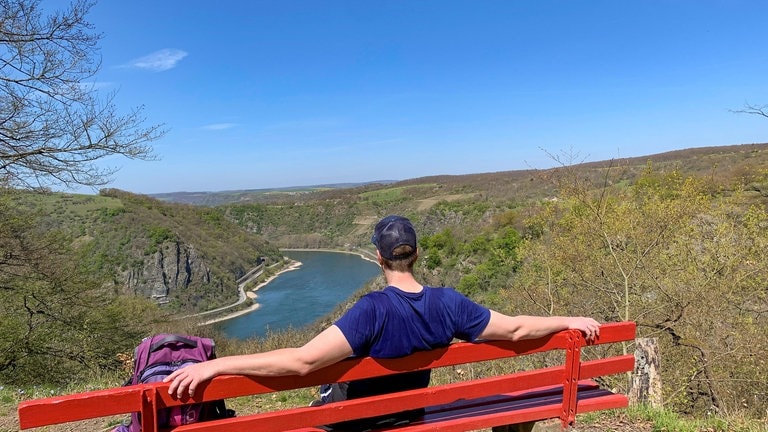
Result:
x=75 y=204
x=383 y=195
x=660 y=419
x=392 y=193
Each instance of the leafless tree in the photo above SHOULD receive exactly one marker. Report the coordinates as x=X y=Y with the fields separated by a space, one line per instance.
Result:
x=761 y=110
x=54 y=124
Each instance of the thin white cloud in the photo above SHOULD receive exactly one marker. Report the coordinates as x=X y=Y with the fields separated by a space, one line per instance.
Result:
x=159 y=61
x=219 y=126
x=305 y=124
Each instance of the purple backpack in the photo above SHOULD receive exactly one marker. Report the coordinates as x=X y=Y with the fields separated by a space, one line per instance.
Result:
x=157 y=357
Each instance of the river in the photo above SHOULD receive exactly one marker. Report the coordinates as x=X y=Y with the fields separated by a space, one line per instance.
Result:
x=300 y=297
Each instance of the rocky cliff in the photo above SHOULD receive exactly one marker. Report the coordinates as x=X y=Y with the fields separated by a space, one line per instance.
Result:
x=174 y=267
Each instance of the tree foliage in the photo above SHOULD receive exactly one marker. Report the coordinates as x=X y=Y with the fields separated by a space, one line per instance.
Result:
x=475 y=261
x=686 y=264
x=54 y=124
x=58 y=316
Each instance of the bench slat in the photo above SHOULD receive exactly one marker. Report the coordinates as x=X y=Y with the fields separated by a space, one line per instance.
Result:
x=80 y=406
x=608 y=401
x=607 y=366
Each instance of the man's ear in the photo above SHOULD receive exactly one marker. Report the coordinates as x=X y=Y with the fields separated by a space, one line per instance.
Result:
x=379 y=259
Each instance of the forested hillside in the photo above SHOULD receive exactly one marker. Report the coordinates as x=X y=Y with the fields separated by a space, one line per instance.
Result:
x=86 y=276
x=185 y=257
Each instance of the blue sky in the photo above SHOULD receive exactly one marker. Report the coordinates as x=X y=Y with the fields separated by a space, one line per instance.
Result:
x=260 y=94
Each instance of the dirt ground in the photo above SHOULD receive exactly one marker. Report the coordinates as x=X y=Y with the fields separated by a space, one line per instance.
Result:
x=11 y=424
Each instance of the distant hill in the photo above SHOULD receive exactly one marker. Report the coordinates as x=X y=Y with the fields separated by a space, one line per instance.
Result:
x=344 y=216
x=252 y=195
x=697 y=160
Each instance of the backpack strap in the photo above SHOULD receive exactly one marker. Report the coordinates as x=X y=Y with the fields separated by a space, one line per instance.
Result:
x=172 y=338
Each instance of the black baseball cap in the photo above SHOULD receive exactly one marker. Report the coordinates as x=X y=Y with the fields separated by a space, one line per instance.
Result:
x=392 y=232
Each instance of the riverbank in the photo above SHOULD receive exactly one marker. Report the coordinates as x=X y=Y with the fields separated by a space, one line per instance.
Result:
x=251 y=294
x=368 y=256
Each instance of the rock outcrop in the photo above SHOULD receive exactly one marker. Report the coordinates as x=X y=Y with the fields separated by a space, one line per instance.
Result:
x=174 y=266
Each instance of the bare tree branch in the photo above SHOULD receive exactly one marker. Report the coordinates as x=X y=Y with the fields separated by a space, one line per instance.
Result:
x=760 y=110
x=53 y=126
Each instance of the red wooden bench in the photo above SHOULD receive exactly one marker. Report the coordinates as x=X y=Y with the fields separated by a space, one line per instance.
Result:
x=554 y=392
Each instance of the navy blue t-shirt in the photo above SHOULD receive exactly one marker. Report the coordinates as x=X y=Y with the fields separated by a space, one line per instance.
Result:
x=394 y=323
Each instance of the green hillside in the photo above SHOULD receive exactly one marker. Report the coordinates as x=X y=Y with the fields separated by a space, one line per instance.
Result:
x=129 y=236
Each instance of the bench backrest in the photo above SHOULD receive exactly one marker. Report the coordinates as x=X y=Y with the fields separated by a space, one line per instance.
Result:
x=148 y=398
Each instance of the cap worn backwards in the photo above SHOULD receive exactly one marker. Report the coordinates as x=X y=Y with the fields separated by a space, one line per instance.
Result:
x=391 y=233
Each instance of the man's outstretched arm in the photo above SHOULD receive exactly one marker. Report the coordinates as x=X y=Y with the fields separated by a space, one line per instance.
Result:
x=521 y=327
x=325 y=349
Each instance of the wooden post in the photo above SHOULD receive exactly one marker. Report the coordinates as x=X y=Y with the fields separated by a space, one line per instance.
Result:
x=645 y=386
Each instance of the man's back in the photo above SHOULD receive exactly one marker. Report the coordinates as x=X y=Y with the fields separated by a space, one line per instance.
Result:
x=394 y=323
